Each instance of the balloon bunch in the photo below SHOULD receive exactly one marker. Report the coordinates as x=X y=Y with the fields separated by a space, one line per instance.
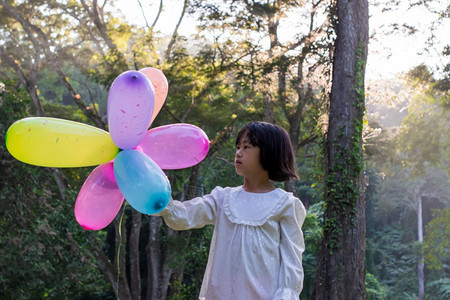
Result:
x=130 y=157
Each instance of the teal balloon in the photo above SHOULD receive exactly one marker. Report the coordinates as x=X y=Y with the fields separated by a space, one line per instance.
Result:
x=141 y=181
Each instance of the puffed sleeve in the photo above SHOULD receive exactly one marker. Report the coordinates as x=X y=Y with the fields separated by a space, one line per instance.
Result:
x=194 y=213
x=292 y=245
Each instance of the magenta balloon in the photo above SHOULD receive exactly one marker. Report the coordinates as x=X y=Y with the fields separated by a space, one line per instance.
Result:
x=131 y=100
x=176 y=146
x=99 y=199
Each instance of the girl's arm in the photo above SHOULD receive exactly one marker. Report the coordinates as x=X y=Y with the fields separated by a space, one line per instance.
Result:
x=292 y=245
x=194 y=213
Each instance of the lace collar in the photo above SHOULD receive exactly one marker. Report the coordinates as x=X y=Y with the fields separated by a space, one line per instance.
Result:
x=254 y=209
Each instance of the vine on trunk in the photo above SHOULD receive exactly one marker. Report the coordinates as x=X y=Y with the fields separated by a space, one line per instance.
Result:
x=344 y=190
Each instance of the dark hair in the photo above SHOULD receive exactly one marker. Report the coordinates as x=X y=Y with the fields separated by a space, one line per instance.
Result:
x=276 y=156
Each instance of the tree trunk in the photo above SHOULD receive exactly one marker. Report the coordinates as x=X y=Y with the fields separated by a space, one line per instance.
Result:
x=133 y=246
x=96 y=15
x=123 y=289
x=340 y=272
x=60 y=183
x=268 y=107
x=421 y=262
x=154 y=260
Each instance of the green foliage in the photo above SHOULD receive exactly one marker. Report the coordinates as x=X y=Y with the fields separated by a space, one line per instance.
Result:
x=46 y=254
x=437 y=240
x=50 y=87
x=392 y=251
x=422 y=137
x=395 y=261
x=39 y=238
x=195 y=255
x=374 y=290
x=411 y=167
x=438 y=289
x=214 y=89
x=200 y=93
x=67 y=112
x=56 y=98
x=312 y=232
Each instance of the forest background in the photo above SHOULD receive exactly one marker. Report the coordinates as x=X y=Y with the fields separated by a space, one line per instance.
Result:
x=59 y=58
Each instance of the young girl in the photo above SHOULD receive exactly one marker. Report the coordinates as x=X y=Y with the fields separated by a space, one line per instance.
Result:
x=257 y=244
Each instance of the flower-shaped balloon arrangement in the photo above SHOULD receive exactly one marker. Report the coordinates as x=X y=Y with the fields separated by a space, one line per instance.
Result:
x=130 y=157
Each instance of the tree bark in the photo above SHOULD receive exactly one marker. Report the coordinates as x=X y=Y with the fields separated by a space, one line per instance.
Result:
x=133 y=246
x=123 y=289
x=340 y=272
x=96 y=14
x=154 y=259
x=268 y=107
x=60 y=183
x=421 y=262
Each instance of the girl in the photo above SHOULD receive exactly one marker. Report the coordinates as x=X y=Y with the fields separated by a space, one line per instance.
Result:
x=257 y=244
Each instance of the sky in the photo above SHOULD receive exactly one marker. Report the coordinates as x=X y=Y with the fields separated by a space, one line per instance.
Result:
x=389 y=54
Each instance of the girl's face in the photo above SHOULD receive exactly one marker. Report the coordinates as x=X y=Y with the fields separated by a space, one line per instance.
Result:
x=247 y=159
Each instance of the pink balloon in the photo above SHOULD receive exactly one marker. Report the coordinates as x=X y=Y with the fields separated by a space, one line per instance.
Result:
x=131 y=100
x=176 y=146
x=99 y=199
x=161 y=86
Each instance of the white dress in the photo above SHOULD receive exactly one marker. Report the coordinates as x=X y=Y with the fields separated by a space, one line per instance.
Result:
x=257 y=244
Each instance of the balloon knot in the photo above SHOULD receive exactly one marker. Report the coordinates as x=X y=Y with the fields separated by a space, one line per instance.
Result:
x=159 y=205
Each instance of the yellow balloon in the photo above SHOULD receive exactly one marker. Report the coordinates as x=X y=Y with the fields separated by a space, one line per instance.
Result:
x=51 y=142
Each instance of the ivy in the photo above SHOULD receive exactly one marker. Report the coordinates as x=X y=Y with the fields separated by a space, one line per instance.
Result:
x=343 y=177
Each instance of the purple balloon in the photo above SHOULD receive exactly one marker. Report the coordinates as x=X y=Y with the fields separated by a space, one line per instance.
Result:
x=131 y=100
x=176 y=146
x=99 y=199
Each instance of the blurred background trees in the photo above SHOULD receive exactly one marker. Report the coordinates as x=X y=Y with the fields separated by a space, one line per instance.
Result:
x=249 y=60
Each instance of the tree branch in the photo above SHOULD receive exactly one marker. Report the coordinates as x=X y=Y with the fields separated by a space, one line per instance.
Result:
x=158 y=14
x=175 y=32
